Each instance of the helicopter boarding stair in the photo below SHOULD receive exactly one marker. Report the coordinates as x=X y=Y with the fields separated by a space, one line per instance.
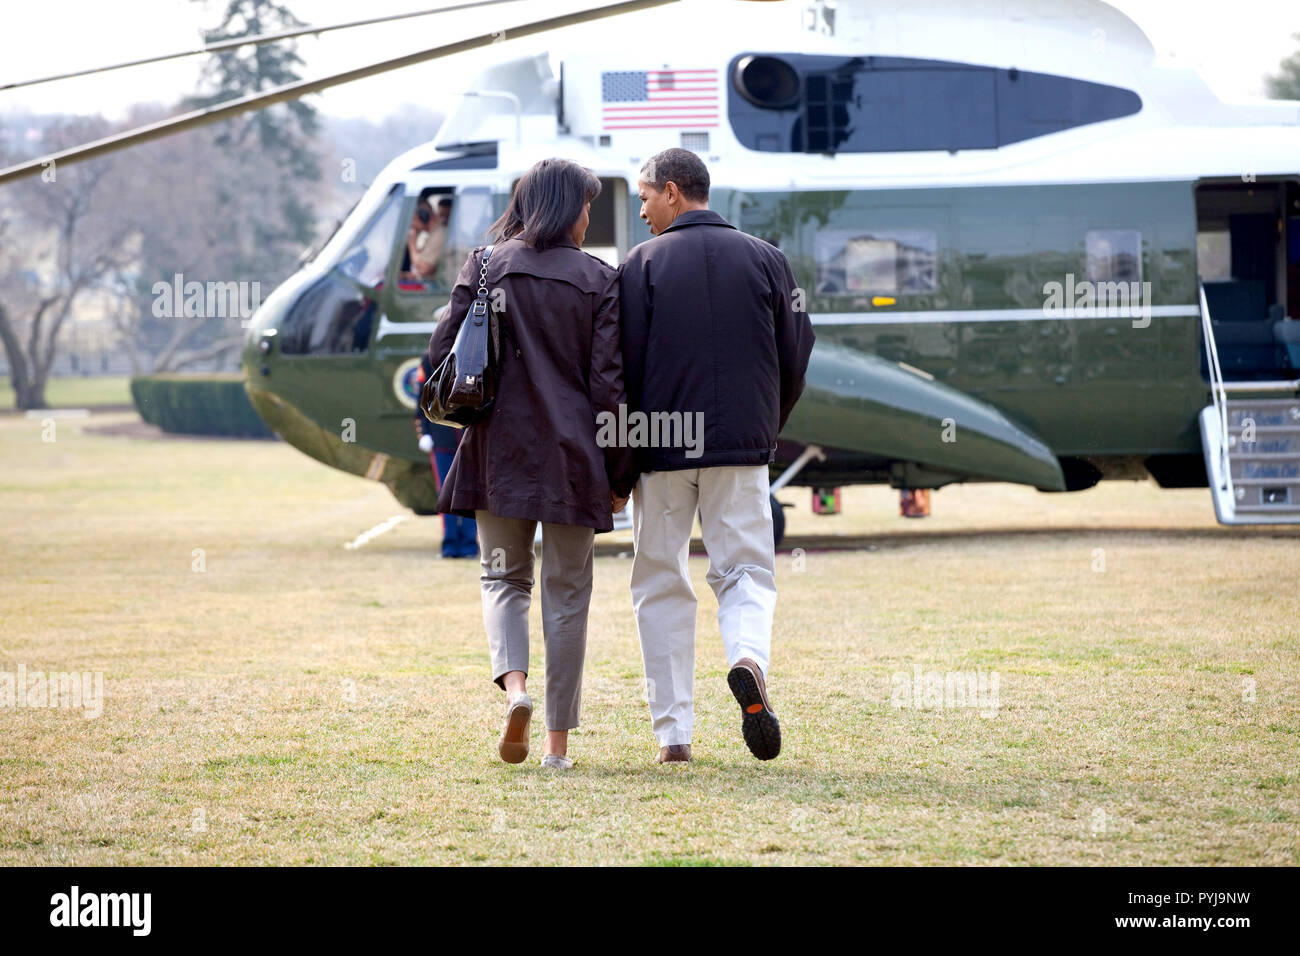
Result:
x=1251 y=445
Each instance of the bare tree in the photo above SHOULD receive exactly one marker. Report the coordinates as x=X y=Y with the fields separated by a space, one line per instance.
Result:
x=209 y=214
x=56 y=247
x=177 y=188
x=213 y=204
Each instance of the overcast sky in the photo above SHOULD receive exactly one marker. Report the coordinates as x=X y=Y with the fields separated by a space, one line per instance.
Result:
x=1233 y=43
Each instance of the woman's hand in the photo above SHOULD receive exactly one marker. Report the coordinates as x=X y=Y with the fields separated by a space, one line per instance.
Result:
x=616 y=503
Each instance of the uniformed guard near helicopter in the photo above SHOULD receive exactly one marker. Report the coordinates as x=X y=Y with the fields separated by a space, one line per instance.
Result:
x=439 y=442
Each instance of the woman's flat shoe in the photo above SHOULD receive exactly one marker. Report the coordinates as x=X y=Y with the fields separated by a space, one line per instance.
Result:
x=514 y=732
x=557 y=762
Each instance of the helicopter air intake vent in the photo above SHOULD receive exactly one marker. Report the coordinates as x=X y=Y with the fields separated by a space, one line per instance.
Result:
x=696 y=142
x=767 y=81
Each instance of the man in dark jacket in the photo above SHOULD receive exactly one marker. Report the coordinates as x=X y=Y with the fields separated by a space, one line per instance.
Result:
x=715 y=344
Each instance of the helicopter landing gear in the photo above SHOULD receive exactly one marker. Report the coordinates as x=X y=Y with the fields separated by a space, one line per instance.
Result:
x=778 y=515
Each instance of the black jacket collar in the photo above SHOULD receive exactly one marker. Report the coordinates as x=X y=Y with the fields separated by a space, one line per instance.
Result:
x=698 y=217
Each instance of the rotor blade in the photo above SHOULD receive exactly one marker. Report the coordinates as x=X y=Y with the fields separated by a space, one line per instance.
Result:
x=293 y=91
x=256 y=40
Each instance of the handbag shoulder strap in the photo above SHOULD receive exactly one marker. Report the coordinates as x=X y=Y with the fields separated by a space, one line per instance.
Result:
x=479 y=307
x=482 y=296
x=482 y=272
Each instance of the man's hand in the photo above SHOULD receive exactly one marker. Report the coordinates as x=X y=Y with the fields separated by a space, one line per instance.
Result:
x=616 y=503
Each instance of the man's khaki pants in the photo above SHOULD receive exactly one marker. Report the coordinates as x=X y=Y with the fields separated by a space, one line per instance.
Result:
x=735 y=511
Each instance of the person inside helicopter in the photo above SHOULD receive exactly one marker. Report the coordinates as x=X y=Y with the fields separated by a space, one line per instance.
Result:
x=426 y=238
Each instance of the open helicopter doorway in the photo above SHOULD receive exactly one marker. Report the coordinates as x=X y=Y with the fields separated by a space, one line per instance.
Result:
x=1248 y=259
x=607 y=233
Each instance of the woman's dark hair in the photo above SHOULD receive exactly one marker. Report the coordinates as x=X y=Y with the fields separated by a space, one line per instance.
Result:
x=548 y=200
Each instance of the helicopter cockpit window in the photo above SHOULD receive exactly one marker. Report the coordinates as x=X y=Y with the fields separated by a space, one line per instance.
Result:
x=367 y=258
x=880 y=261
x=336 y=314
x=331 y=317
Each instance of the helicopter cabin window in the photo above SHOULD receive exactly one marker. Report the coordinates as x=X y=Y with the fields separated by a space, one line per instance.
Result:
x=471 y=217
x=819 y=103
x=1214 y=254
x=445 y=226
x=335 y=315
x=879 y=262
x=1114 y=255
x=424 y=266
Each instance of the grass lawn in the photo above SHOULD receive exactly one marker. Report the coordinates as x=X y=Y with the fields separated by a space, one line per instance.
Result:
x=298 y=702
x=77 y=391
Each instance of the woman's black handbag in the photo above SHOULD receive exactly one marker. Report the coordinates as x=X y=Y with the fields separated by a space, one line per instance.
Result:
x=462 y=390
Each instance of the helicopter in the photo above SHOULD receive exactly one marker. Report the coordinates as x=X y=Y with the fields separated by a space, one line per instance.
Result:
x=1031 y=252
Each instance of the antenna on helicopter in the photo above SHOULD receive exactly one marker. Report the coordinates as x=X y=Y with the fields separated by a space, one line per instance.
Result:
x=293 y=91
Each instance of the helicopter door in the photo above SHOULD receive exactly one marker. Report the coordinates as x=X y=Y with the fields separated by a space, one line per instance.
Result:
x=1248 y=259
x=607 y=233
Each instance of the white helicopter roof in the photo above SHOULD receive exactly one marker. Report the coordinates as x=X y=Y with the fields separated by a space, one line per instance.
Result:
x=1182 y=131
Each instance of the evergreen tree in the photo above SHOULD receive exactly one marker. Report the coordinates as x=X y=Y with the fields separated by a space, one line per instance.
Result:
x=1285 y=84
x=284 y=221
x=283 y=130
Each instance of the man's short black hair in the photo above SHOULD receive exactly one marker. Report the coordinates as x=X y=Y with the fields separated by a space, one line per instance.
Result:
x=682 y=167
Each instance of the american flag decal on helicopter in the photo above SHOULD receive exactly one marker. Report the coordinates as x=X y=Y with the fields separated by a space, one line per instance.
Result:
x=659 y=99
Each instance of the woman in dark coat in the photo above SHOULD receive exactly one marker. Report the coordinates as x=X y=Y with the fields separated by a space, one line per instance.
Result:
x=535 y=458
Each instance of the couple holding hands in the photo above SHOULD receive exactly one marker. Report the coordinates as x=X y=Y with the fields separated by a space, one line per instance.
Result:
x=700 y=322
